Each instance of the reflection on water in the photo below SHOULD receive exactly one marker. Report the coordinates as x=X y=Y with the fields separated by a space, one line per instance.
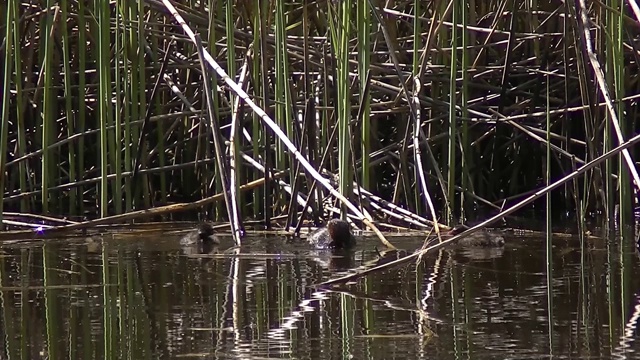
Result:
x=145 y=297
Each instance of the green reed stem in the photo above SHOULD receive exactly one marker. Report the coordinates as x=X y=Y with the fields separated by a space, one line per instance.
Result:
x=340 y=23
x=610 y=164
x=283 y=105
x=132 y=109
x=20 y=109
x=451 y=150
x=115 y=136
x=69 y=106
x=220 y=12
x=364 y=61
x=6 y=87
x=280 y=81
x=48 y=106
x=140 y=84
x=128 y=107
x=257 y=130
x=82 y=82
x=465 y=96
x=157 y=104
x=104 y=103
x=625 y=189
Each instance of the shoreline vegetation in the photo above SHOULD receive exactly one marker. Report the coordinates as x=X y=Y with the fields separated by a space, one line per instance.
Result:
x=266 y=113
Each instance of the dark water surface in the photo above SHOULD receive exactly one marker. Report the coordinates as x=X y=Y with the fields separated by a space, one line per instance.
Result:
x=142 y=296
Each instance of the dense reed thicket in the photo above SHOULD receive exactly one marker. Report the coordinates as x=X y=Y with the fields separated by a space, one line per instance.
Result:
x=466 y=105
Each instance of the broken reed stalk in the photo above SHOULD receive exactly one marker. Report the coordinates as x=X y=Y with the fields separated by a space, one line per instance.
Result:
x=276 y=129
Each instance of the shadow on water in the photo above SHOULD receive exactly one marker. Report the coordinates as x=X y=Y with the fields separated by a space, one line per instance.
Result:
x=145 y=296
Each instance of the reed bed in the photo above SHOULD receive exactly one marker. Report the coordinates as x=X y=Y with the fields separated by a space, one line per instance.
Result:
x=409 y=113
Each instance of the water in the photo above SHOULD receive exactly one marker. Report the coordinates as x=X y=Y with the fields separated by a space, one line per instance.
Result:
x=140 y=296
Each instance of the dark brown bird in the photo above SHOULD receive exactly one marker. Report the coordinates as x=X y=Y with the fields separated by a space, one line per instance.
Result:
x=480 y=238
x=336 y=235
x=202 y=235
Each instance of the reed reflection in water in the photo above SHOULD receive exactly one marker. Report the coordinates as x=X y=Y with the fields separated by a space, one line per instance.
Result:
x=146 y=296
